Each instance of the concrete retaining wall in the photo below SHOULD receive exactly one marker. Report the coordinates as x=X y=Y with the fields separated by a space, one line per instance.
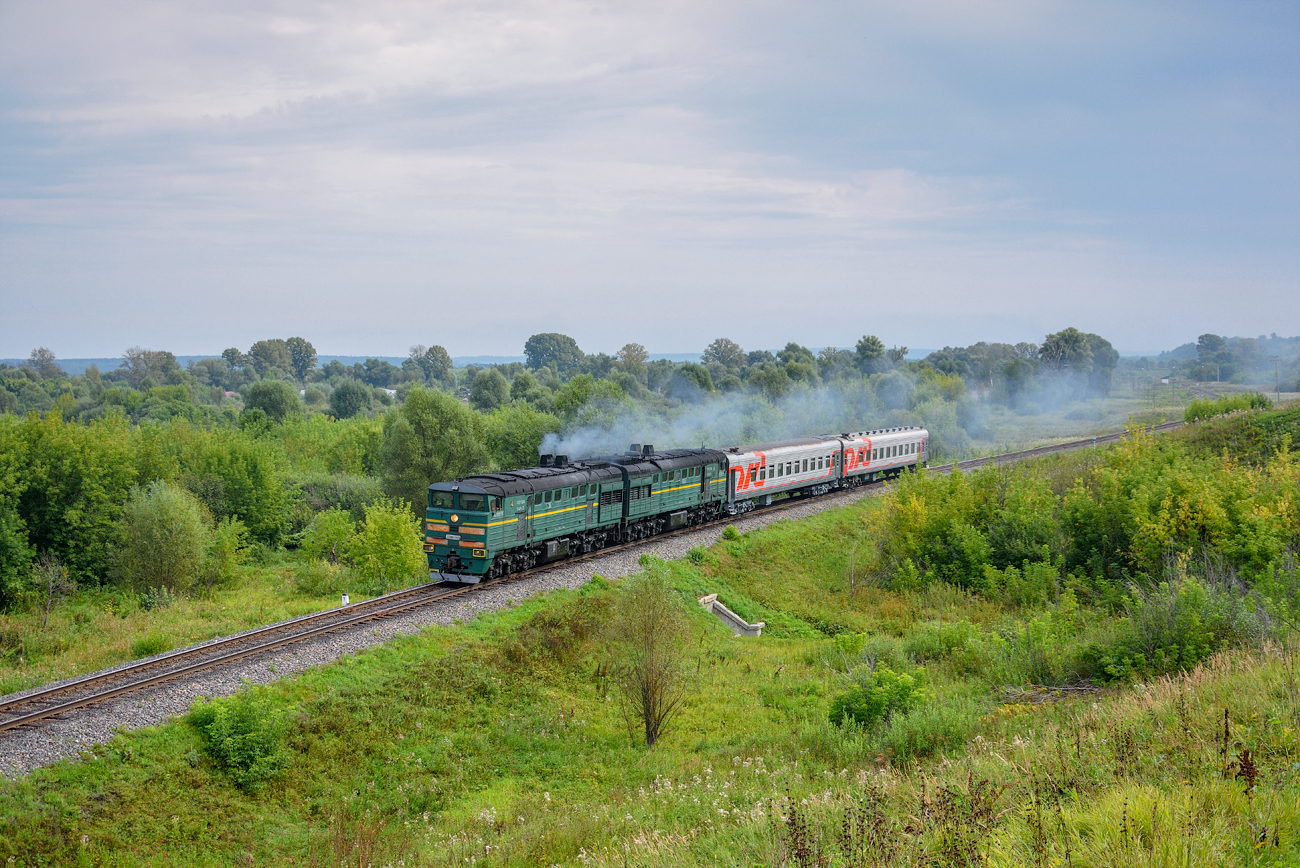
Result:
x=734 y=622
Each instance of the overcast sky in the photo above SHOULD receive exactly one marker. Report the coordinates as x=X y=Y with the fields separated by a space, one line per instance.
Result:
x=193 y=176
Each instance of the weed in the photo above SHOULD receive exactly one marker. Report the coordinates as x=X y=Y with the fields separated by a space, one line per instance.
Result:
x=154 y=642
x=244 y=735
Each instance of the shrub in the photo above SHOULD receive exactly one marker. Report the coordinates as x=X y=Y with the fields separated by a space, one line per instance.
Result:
x=165 y=535
x=321 y=491
x=1174 y=626
x=931 y=727
x=245 y=736
x=227 y=552
x=1207 y=408
x=318 y=578
x=156 y=598
x=649 y=652
x=879 y=693
x=329 y=536
x=389 y=547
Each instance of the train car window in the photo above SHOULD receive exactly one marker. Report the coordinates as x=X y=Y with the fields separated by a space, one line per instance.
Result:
x=475 y=502
x=440 y=498
x=496 y=504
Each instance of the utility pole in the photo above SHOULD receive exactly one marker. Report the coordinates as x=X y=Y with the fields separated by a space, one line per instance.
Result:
x=1277 y=380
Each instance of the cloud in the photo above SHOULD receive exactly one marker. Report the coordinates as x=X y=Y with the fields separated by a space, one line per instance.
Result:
x=916 y=170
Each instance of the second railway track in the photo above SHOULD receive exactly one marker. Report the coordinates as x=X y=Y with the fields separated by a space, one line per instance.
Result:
x=44 y=703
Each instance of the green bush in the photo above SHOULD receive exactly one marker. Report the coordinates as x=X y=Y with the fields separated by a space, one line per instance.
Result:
x=879 y=693
x=244 y=735
x=329 y=536
x=347 y=491
x=1175 y=625
x=165 y=535
x=227 y=552
x=930 y=728
x=1207 y=408
x=388 y=549
x=156 y=598
x=319 y=578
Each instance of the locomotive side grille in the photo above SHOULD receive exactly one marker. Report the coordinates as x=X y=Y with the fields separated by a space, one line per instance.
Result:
x=638 y=493
x=611 y=497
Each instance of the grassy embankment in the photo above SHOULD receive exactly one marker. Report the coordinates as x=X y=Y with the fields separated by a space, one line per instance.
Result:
x=100 y=627
x=502 y=741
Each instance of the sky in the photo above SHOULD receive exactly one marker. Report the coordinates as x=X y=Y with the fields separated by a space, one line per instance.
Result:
x=195 y=176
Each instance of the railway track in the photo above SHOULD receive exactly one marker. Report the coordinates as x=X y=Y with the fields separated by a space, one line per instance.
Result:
x=59 y=699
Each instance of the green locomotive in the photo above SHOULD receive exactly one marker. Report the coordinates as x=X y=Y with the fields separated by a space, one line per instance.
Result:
x=492 y=524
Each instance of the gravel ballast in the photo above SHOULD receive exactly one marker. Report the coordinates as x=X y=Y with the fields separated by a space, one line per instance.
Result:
x=29 y=748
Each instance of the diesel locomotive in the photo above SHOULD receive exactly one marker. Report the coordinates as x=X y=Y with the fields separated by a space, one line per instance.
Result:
x=493 y=524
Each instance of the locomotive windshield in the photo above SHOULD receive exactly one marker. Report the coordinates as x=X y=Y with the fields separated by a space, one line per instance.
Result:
x=440 y=499
x=473 y=502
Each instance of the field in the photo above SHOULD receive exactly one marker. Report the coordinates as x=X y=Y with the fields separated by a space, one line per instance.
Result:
x=504 y=741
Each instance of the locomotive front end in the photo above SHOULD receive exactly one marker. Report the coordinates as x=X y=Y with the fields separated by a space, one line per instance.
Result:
x=456 y=522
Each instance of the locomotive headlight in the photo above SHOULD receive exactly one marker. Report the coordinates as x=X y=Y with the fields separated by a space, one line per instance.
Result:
x=455 y=517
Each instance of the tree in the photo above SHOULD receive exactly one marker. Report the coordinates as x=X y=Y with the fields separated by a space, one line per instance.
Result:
x=234 y=359
x=378 y=372
x=796 y=354
x=1066 y=350
x=871 y=354
x=165 y=532
x=434 y=362
x=515 y=432
x=350 y=398
x=585 y=389
x=632 y=358
x=1104 y=359
x=154 y=364
x=265 y=355
x=727 y=353
x=71 y=481
x=54 y=582
x=489 y=390
x=691 y=380
x=1208 y=346
x=276 y=398
x=41 y=362
x=431 y=438
x=553 y=350
x=897 y=354
x=302 y=356
x=650 y=653
x=251 y=476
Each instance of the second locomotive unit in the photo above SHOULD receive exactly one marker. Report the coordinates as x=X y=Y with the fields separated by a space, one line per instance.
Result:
x=492 y=524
